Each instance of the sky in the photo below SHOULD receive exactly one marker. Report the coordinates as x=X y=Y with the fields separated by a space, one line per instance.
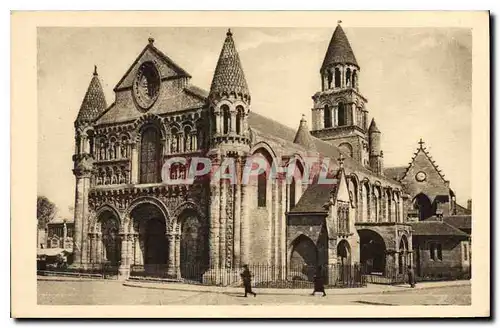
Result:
x=417 y=82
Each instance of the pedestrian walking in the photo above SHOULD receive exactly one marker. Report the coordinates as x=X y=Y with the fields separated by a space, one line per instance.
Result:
x=319 y=284
x=411 y=277
x=246 y=276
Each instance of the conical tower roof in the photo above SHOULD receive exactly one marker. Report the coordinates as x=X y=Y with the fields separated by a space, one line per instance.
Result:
x=228 y=76
x=303 y=137
x=373 y=126
x=339 y=50
x=94 y=102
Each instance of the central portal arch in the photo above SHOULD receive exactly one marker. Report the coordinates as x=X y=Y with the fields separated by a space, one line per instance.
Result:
x=151 y=247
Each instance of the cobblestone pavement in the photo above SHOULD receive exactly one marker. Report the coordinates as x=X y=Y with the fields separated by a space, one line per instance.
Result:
x=114 y=293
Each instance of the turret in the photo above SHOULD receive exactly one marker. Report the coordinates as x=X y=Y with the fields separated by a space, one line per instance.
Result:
x=93 y=105
x=376 y=154
x=229 y=101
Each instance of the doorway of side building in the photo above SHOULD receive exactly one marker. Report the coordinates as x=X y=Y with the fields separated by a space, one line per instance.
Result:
x=303 y=259
x=372 y=254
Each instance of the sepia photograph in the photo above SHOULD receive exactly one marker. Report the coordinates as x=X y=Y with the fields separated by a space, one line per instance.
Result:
x=256 y=165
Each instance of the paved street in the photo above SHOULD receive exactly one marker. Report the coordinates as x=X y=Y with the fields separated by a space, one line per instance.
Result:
x=100 y=292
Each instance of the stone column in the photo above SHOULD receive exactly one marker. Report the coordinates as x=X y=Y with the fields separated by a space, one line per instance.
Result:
x=282 y=234
x=80 y=234
x=275 y=217
x=137 y=250
x=124 y=269
x=353 y=114
x=222 y=216
x=99 y=257
x=390 y=263
x=232 y=125
x=177 y=237
x=383 y=207
x=245 y=225
x=214 y=219
x=237 y=215
x=171 y=266
x=134 y=174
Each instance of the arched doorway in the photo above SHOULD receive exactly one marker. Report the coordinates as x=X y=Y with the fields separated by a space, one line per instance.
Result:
x=304 y=257
x=193 y=246
x=343 y=253
x=372 y=254
x=424 y=206
x=344 y=261
x=403 y=254
x=110 y=248
x=150 y=246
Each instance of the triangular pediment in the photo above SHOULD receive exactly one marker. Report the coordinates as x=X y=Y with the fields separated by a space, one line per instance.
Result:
x=167 y=68
x=424 y=176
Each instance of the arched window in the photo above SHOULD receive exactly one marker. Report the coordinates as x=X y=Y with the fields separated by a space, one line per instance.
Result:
x=240 y=112
x=226 y=118
x=150 y=156
x=337 y=78
x=327 y=117
x=292 y=194
x=354 y=78
x=348 y=77
x=330 y=79
x=187 y=139
x=342 y=115
x=262 y=189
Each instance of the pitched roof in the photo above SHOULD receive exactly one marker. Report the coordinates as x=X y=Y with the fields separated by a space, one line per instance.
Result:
x=303 y=137
x=461 y=210
x=395 y=173
x=94 y=102
x=276 y=129
x=179 y=70
x=229 y=76
x=315 y=197
x=373 y=126
x=435 y=228
x=422 y=149
x=339 y=50
x=462 y=222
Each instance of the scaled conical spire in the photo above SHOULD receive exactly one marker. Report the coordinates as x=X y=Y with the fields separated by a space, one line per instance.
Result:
x=94 y=102
x=373 y=126
x=228 y=76
x=303 y=137
x=339 y=50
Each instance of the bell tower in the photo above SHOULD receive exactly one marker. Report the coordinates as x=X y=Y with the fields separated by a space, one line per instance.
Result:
x=339 y=113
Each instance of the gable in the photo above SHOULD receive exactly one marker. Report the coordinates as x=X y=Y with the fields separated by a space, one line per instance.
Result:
x=434 y=183
x=342 y=189
x=167 y=68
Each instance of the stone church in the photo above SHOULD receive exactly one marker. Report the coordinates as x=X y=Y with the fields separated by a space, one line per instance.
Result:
x=126 y=216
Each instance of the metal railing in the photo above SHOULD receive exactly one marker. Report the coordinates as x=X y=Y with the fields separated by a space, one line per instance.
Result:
x=263 y=275
x=83 y=270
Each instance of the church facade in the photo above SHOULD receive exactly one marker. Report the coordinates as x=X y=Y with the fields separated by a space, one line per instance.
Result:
x=126 y=215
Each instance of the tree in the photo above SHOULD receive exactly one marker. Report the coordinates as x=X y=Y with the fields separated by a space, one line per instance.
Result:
x=45 y=211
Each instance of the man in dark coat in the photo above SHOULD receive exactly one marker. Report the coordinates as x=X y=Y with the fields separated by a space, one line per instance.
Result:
x=246 y=276
x=319 y=284
x=411 y=277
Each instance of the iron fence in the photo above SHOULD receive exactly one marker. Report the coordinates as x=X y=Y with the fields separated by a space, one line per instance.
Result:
x=83 y=270
x=264 y=276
